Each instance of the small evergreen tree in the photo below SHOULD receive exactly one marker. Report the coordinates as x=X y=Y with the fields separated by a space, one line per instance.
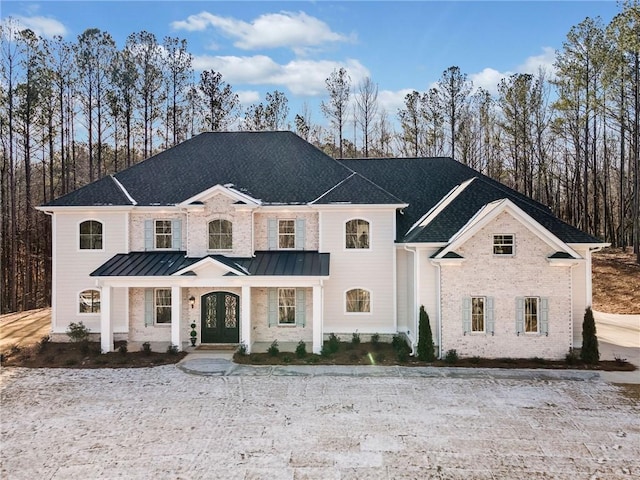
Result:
x=589 y=352
x=425 y=338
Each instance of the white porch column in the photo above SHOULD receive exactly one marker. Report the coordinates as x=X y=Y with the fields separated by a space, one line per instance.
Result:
x=317 y=318
x=245 y=317
x=176 y=310
x=106 y=327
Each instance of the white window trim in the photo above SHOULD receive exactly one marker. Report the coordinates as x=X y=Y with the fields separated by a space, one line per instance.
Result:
x=344 y=238
x=85 y=250
x=208 y=234
x=524 y=313
x=484 y=316
x=358 y=314
x=278 y=236
x=513 y=246
x=155 y=236
x=88 y=314
x=295 y=306
x=155 y=308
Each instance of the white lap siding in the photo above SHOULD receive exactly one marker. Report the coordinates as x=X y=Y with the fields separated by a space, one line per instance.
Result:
x=73 y=266
x=505 y=278
x=371 y=269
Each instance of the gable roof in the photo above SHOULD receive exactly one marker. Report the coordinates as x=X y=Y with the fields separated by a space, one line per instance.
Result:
x=424 y=182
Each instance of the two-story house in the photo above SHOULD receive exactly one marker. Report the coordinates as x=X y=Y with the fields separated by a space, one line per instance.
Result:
x=258 y=236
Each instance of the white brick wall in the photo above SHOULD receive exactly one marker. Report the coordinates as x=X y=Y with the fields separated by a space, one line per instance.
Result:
x=311 y=234
x=261 y=332
x=504 y=278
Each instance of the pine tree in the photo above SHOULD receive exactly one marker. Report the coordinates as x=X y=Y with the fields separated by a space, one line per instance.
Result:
x=425 y=338
x=589 y=352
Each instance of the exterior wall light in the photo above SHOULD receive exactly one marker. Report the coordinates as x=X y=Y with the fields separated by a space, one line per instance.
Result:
x=192 y=301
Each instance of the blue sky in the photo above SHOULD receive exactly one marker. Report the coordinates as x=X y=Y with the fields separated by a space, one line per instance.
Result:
x=293 y=46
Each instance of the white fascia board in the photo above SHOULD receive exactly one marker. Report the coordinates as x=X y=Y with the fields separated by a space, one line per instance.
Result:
x=190 y=281
x=226 y=190
x=564 y=262
x=490 y=211
x=86 y=208
x=360 y=206
x=209 y=261
x=441 y=205
x=423 y=246
x=589 y=246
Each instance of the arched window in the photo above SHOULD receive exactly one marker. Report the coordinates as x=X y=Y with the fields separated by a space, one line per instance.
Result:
x=357 y=234
x=91 y=235
x=220 y=235
x=89 y=301
x=358 y=301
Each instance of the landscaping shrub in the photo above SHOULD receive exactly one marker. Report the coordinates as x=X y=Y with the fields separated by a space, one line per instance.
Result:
x=355 y=338
x=301 y=349
x=242 y=349
x=375 y=340
x=451 y=357
x=273 y=349
x=426 y=349
x=78 y=332
x=589 y=352
x=146 y=348
x=334 y=343
x=123 y=348
x=571 y=358
x=172 y=349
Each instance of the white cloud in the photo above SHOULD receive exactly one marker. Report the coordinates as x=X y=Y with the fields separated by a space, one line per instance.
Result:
x=272 y=30
x=248 y=97
x=42 y=26
x=488 y=79
x=301 y=77
x=534 y=63
x=392 y=101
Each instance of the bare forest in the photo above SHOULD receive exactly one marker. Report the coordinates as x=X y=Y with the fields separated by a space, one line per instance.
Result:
x=73 y=112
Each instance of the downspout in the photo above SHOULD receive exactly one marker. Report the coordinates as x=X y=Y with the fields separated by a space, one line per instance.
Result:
x=415 y=296
x=439 y=311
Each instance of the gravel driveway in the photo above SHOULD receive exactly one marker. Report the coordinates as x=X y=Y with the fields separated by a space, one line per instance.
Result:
x=162 y=423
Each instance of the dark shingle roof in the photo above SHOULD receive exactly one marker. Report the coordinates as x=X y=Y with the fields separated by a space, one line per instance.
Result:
x=104 y=192
x=357 y=189
x=161 y=264
x=423 y=182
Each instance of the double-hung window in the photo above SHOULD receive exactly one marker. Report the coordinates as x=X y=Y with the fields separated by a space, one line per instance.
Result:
x=477 y=314
x=531 y=314
x=162 y=305
x=163 y=234
x=286 y=306
x=286 y=234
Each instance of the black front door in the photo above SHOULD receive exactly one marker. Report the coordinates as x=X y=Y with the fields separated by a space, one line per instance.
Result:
x=220 y=314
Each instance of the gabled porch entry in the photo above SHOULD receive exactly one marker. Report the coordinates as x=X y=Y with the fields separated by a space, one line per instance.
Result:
x=220 y=315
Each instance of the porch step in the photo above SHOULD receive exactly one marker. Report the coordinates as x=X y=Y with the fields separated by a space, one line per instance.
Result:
x=217 y=346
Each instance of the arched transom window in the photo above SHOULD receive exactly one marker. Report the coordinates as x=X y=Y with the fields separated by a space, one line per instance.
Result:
x=357 y=233
x=220 y=235
x=358 y=301
x=91 y=235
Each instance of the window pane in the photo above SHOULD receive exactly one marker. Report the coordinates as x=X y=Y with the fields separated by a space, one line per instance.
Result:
x=531 y=314
x=287 y=305
x=91 y=235
x=163 y=305
x=163 y=234
x=220 y=235
x=477 y=314
x=286 y=234
x=89 y=301
x=358 y=301
x=357 y=234
x=503 y=244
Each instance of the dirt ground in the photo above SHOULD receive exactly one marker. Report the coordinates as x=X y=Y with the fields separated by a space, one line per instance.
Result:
x=616 y=282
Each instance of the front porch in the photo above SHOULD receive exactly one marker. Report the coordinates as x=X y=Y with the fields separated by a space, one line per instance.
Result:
x=231 y=315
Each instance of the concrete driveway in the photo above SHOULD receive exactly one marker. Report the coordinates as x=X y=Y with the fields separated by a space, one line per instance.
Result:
x=162 y=423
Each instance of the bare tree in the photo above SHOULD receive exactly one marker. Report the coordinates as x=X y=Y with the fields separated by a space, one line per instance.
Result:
x=339 y=88
x=366 y=109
